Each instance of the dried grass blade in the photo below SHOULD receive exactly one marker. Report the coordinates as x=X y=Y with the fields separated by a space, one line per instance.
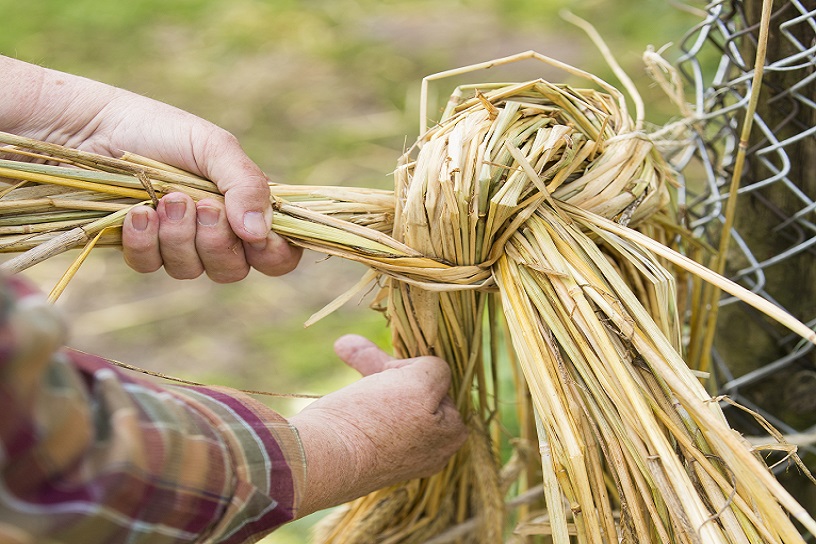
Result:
x=72 y=270
x=62 y=243
x=687 y=264
x=368 y=278
x=74 y=183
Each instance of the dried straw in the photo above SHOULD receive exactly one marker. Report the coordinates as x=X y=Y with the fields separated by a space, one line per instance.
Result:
x=510 y=227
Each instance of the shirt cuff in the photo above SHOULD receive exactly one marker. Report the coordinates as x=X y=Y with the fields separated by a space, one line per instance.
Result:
x=268 y=459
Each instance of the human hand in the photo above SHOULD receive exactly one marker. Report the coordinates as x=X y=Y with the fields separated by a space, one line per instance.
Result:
x=395 y=424
x=223 y=239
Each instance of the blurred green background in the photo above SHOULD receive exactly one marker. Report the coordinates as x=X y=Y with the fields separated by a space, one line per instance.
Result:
x=319 y=92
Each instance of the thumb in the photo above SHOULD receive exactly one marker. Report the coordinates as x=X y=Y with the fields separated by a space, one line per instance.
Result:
x=244 y=185
x=362 y=354
x=249 y=211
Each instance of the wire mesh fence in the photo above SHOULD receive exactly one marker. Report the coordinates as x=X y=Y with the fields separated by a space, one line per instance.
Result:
x=773 y=241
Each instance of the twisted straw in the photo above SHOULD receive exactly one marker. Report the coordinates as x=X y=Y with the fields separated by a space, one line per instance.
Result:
x=509 y=228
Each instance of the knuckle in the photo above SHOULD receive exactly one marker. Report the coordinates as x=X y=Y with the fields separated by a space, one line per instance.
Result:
x=224 y=137
x=185 y=274
x=437 y=365
x=137 y=245
x=172 y=238
x=141 y=266
x=219 y=242
x=182 y=266
x=276 y=265
x=214 y=139
x=227 y=276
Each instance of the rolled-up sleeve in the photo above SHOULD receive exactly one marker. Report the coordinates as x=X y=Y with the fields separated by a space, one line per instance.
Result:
x=91 y=454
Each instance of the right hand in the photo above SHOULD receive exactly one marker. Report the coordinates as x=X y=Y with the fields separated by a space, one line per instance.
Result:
x=395 y=424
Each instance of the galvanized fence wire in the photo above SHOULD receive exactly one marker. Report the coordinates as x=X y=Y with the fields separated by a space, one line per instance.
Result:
x=721 y=90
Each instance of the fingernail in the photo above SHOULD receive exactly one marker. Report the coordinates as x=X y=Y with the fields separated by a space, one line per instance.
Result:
x=255 y=223
x=175 y=209
x=207 y=216
x=139 y=220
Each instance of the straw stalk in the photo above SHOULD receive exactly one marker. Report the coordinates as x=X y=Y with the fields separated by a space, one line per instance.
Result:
x=514 y=246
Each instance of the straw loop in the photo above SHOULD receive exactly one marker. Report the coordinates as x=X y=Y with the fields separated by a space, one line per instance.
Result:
x=510 y=227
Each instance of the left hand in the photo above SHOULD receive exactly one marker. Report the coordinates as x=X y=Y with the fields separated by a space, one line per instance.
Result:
x=394 y=424
x=222 y=239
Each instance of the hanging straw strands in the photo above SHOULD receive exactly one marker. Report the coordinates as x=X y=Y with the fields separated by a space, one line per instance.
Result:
x=510 y=228
x=326 y=219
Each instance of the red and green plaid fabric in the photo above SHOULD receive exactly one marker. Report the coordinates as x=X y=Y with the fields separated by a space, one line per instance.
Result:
x=89 y=454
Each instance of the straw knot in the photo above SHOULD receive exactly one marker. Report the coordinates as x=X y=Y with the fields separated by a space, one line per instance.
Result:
x=499 y=157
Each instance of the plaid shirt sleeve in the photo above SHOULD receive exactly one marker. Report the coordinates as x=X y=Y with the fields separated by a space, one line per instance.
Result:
x=91 y=455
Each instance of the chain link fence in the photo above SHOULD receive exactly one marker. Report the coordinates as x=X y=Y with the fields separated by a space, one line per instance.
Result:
x=773 y=244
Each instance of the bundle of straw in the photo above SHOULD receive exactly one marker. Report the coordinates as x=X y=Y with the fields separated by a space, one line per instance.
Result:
x=508 y=231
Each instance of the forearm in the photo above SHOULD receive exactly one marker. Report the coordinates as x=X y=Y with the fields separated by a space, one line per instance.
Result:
x=49 y=105
x=92 y=455
x=333 y=475
x=85 y=114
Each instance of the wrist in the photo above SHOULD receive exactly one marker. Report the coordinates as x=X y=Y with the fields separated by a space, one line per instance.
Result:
x=336 y=467
x=332 y=463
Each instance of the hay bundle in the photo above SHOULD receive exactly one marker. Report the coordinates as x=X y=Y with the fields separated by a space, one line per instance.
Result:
x=507 y=230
